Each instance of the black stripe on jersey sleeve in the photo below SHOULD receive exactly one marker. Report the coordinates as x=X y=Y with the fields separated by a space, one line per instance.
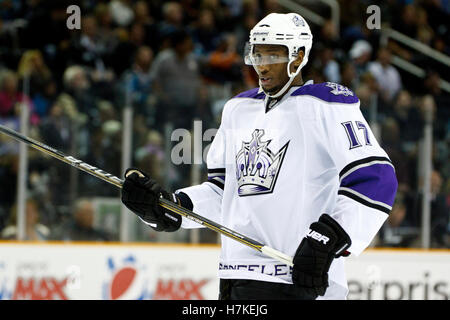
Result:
x=359 y=162
x=363 y=201
x=219 y=170
x=217 y=183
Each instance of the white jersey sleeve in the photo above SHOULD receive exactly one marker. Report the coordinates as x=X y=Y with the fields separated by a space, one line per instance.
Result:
x=367 y=180
x=207 y=197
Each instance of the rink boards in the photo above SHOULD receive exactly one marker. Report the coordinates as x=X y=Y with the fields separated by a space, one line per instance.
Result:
x=56 y=270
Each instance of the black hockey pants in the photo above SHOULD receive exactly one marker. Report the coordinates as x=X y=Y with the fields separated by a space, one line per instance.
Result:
x=240 y=289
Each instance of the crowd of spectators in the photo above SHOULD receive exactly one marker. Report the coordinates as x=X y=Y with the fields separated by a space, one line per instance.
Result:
x=176 y=61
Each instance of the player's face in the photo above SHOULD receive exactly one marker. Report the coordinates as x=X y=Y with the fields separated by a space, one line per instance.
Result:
x=272 y=76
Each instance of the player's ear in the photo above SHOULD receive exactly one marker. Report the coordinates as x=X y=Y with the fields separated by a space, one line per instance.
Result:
x=298 y=61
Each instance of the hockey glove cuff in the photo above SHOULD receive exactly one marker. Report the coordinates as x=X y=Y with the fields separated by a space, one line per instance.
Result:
x=325 y=240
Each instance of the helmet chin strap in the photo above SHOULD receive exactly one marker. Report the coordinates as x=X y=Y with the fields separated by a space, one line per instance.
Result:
x=288 y=83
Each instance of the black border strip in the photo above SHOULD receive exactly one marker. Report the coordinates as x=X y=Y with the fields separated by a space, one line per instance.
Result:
x=361 y=161
x=364 y=202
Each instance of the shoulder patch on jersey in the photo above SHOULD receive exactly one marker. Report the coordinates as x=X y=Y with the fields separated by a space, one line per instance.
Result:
x=328 y=92
x=253 y=93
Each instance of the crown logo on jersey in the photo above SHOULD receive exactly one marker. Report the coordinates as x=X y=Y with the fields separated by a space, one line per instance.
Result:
x=339 y=89
x=257 y=167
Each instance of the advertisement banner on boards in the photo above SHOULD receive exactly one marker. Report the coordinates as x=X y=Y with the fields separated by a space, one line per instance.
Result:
x=95 y=272
x=399 y=275
x=182 y=272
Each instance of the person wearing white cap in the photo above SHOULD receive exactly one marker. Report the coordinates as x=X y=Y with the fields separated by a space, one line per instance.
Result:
x=360 y=54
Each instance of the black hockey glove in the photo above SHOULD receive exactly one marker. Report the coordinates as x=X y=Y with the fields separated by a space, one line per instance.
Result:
x=325 y=241
x=140 y=194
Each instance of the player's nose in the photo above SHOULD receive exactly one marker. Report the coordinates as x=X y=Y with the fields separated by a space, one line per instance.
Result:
x=263 y=69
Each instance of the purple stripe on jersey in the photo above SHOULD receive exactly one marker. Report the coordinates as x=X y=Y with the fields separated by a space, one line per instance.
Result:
x=251 y=189
x=377 y=182
x=329 y=92
x=253 y=93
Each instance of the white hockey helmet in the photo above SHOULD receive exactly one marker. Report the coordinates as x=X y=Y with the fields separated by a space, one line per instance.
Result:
x=289 y=30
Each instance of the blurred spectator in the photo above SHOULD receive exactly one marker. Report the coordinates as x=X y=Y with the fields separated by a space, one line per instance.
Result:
x=204 y=33
x=224 y=63
x=55 y=129
x=425 y=33
x=138 y=81
x=398 y=230
x=78 y=85
x=440 y=211
x=437 y=16
x=242 y=30
x=360 y=55
x=32 y=65
x=329 y=35
x=177 y=81
x=105 y=27
x=352 y=16
x=105 y=153
x=432 y=86
x=9 y=94
x=407 y=24
x=124 y=53
x=150 y=157
x=121 y=12
x=330 y=68
x=392 y=144
x=251 y=8
x=11 y=99
x=387 y=76
x=143 y=16
x=92 y=48
x=58 y=131
x=172 y=19
x=366 y=90
x=408 y=118
x=222 y=16
x=81 y=226
x=34 y=230
x=43 y=100
x=348 y=76
x=431 y=83
x=42 y=87
x=142 y=13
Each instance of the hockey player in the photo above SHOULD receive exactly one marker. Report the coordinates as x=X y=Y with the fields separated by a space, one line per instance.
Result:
x=293 y=165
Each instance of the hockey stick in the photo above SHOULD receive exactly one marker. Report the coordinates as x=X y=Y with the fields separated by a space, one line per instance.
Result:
x=169 y=205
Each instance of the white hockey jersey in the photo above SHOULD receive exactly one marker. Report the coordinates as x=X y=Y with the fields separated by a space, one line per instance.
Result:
x=274 y=169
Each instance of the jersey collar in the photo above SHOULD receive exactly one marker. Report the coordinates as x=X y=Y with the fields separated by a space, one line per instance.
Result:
x=270 y=103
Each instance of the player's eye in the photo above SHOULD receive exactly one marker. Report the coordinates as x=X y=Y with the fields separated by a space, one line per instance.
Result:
x=273 y=57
